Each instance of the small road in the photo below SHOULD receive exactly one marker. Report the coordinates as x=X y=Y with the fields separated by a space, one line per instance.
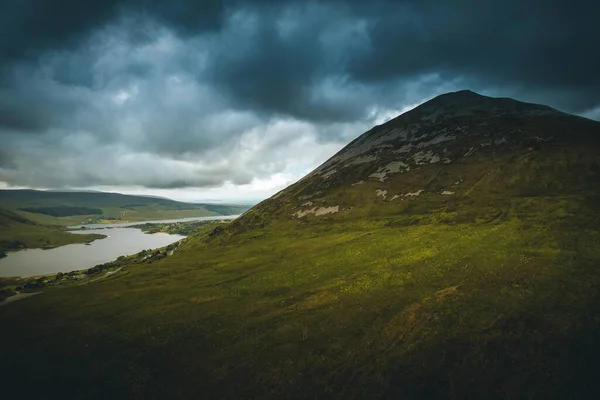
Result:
x=17 y=297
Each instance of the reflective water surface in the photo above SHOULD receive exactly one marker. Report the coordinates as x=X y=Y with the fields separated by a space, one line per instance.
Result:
x=120 y=241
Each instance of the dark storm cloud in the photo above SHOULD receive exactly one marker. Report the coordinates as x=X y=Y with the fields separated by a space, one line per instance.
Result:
x=283 y=61
x=275 y=56
x=550 y=47
x=177 y=94
x=30 y=104
x=545 y=50
x=31 y=27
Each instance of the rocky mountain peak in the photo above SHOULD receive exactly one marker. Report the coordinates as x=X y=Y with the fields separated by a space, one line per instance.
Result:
x=446 y=119
x=460 y=98
x=449 y=147
x=466 y=102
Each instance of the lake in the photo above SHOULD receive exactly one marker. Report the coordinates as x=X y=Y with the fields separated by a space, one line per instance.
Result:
x=121 y=241
x=163 y=221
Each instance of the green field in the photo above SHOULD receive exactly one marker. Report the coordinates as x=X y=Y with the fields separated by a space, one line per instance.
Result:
x=17 y=232
x=75 y=208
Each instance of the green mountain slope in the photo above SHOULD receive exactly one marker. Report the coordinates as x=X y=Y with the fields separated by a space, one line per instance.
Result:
x=17 y=233
x=457 y=149
x=450 y=253
x=52 y=207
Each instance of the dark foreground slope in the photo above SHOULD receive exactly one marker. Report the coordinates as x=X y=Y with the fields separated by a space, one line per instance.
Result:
x=488 y=292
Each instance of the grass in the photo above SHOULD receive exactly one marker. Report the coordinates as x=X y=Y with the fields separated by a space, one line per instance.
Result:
x=18 y=233
x=123 y=215
x=333 y=307
x=178 y=228
x=69 y=208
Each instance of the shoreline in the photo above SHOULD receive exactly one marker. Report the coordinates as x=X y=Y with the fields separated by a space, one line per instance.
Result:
x=7 y=252
x=185 y=226
x=123 y=224
x=81 y=268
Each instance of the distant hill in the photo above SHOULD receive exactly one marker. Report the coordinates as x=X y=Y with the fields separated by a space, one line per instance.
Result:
x=8 y=218
x=73 y=207
x=17 y=232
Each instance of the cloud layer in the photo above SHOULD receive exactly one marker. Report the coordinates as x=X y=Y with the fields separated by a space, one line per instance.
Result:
x=142 y=93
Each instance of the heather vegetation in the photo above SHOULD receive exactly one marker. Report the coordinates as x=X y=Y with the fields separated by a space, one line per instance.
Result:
x=184 y=228
x=422 y=305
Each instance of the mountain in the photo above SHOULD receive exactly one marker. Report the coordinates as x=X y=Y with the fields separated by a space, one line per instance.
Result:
x=70 y=207
x=456 y=148
x=451 y=252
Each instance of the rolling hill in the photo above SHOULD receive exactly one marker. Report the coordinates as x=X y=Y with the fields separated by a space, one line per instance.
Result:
x=449 y=253
x=68 y=208
x=17 y=232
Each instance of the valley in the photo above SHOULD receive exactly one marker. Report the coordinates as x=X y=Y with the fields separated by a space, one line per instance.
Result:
x=39 y=219
x=113 y=241
x=75 y=208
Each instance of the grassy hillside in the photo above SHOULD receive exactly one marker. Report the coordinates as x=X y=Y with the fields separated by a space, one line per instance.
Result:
x=70 y=208
x=17 y=232
x=405 y=305
x=178 y=228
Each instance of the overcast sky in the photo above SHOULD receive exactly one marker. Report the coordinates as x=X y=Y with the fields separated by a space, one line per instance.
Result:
x=234 y=100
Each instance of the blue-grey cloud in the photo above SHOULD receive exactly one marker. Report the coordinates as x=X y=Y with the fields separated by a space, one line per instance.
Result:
x=179 y=84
